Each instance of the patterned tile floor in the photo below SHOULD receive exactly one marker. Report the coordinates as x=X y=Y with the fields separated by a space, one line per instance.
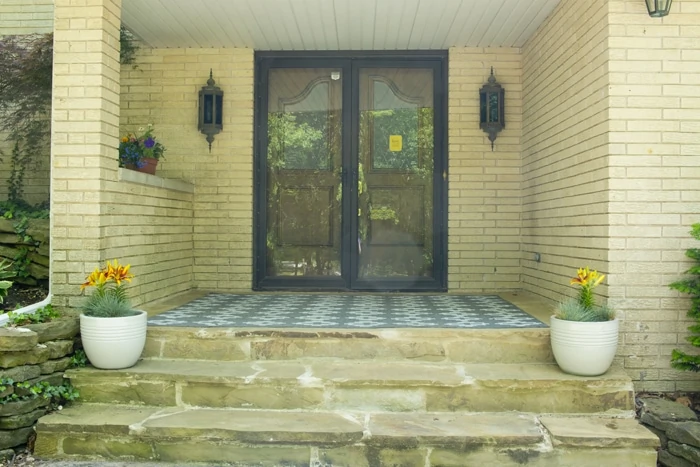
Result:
x=348 y=311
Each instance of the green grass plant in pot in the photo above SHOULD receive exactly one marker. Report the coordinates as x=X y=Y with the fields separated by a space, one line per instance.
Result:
x=112 y=332
x=583 y=334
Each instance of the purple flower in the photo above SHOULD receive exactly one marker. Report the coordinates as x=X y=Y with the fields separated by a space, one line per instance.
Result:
x=149 y=143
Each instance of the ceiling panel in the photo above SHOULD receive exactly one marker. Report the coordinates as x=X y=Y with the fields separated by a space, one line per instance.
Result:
x=335 y=24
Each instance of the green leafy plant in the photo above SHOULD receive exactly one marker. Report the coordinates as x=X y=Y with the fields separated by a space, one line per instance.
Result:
x=5 y=273
x=691 y=286
x=583 y=307
x=110 y=299
x=41 y=315
x=133 y=148
x=27 y=390
x=78 y=359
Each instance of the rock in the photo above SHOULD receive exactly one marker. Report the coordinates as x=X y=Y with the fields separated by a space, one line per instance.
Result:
x=12 y=438
x=685 y=432
x=688 y=453
x=7 y=225
x=39 y=259
x=43 y=250
x=10 y=238
x=58 y=349
x=37 y=271
x=38 y=229
x=39 y=354
x=660 y=413
x=9 y=390
x=17 y=339
x=62 y=328
x=20 y=407
x=684 y=400
x=23 y=420
x=669 y=460
x=53 y=366
x=21 y=373
x=7 y=454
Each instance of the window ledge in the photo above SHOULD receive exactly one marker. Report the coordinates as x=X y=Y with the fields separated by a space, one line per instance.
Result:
x=133 y=176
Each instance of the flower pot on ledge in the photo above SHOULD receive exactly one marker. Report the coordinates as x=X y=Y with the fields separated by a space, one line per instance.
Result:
x=113 y=343
x=148 y=166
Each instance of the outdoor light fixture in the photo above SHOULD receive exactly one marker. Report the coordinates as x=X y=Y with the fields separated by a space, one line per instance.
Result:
x=492 y=108
x=658 y=8
x=211 y=105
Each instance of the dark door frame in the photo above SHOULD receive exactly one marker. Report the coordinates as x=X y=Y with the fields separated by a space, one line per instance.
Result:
x=350 y=62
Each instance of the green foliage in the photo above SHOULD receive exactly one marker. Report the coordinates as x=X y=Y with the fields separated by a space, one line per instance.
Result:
x=21 y=212
x=108 y=305
x=5 y=273
x=691 y=286
x=79 y=359
x=26 y=73
x=573 y=310
x=26 y=390
x=41 y=315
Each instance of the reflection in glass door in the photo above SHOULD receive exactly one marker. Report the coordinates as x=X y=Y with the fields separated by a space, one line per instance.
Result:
x=350 y=170
x=304 y=168
x=395 y=166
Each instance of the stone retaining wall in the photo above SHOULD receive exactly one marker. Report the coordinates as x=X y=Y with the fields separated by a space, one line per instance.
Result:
x=677 y=427
x=36 y=246
x=32 y=353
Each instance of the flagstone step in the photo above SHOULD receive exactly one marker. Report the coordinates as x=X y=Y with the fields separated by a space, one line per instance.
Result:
x=318 y=384
x=435 y=345
x=352 y=439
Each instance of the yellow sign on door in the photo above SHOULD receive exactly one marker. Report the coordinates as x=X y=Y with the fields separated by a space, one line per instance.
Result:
x=395 y=143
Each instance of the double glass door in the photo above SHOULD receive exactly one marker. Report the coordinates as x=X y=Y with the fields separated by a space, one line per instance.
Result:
x=350 y=174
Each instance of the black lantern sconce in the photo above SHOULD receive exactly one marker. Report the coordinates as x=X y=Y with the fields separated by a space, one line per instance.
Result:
x=211 y=106
x=492 y=108
x=658 y=8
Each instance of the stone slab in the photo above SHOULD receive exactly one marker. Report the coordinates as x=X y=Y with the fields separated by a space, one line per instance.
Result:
x=17 y=339
x=62 y=328
x=685 y=432
x=12 y=438
x=91 y=446
x=218 y=454
x=21 y=421
x=53 y=366
x=454 y=430
x=156 y=393
x=660 y=413
x=667 y=459
x=39 y=354
x=20 y=407
x=354 y=373
x=689 y=453
x=598 y=432
x=256 y=426
x=88 y=418
x=266 y=396
x=21 y=373
x=59 y=348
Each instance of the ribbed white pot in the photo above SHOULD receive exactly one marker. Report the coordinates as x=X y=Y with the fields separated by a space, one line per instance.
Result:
x=584 y=349
x=113 y=343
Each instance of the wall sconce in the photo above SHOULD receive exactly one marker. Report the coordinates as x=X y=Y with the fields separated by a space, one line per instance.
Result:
x=211 y=105
x=492 y=108
x=658 y=8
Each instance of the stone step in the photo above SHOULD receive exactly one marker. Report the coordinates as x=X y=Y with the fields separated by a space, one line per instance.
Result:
x=433 y=345
x=352 y=439
x=318 y=384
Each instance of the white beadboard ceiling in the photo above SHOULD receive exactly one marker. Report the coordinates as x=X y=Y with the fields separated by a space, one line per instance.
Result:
x=335 y=24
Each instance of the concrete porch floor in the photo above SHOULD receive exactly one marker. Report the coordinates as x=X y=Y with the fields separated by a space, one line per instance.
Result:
x=305 y=310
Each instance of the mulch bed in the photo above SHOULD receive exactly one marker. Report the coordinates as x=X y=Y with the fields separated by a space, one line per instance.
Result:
x=20 y=296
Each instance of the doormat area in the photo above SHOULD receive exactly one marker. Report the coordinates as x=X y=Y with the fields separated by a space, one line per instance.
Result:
x=348 y=311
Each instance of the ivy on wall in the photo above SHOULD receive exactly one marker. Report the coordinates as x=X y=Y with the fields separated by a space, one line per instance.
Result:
x=26 y=65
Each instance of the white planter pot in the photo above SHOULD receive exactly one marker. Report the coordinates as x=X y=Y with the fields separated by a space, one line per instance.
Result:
x=584 y=349
x=113 y=343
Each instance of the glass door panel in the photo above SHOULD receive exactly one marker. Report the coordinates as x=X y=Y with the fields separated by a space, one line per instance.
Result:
x=303 y=172
x=395 y=173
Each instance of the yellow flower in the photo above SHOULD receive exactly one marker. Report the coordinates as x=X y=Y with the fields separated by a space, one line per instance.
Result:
x=96 y=278
x=585 y=276
x=125 y=139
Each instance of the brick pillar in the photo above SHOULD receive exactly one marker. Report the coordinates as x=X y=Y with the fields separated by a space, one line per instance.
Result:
x=84 y=137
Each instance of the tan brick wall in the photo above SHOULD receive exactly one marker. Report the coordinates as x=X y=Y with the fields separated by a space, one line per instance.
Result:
x=565 y=147
x=26 y=17
x=19 y=17
x=654 y=182
x=163 y=90
x=484 y=224
x=95 y=215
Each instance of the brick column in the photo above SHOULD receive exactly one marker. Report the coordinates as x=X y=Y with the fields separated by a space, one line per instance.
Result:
x=84 y=137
